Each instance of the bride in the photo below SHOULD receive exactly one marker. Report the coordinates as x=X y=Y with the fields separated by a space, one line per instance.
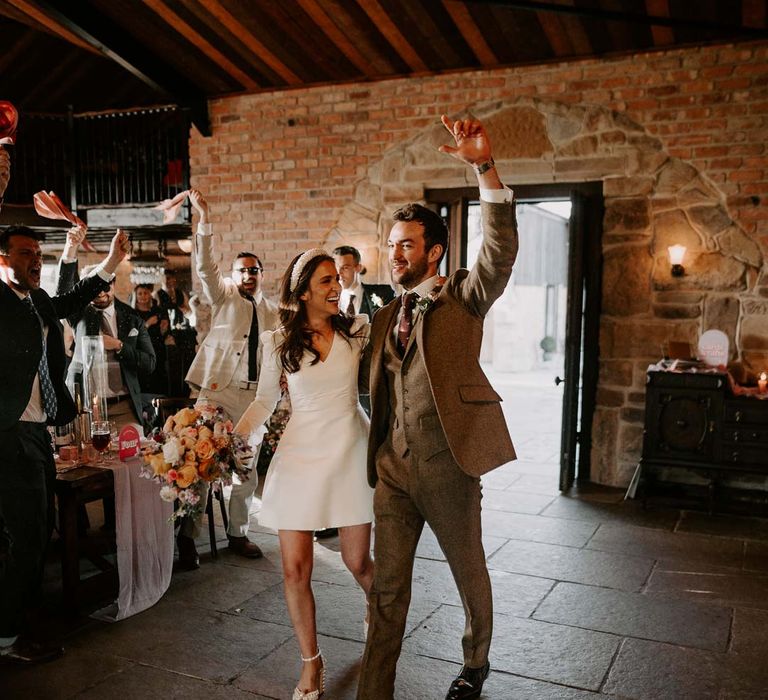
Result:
x=317 y=477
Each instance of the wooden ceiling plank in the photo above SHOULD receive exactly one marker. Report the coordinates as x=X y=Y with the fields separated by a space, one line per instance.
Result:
x=112 y=41
x=392 y=34
x=196 y=39
x=471 y=33
x=18 y=49
x=753 y=13
x=556 y=34
x=343 y=44
x=662 y=36
x=34 y=12
x=577 y=33
x=614 y=12
x=238 y=30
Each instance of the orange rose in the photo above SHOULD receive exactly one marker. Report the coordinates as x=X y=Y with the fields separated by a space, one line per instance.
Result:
x=208 y=470
x=187 y=475
x=187 y=443
x=185 y=417
x=220 y=442
x=158 y=464
x=205 y=449
x=189 y=432
x=204 y=432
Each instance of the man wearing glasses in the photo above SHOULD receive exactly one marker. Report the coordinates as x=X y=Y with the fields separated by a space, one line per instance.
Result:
x=226 y=367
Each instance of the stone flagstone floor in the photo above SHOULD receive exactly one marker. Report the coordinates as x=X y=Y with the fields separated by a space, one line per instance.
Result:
x=594 y=599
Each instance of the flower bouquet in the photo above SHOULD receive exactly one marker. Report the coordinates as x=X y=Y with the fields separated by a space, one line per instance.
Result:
x=195 y=446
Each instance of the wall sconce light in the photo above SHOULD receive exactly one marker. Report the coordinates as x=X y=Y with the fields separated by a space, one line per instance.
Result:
x=185 y=245
x=676 y=255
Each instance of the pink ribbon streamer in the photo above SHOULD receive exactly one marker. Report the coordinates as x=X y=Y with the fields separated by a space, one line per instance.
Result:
x=48 y=205
x=170 y=207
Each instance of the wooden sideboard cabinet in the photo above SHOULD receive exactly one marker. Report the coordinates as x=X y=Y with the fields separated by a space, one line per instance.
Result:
x=703 y=445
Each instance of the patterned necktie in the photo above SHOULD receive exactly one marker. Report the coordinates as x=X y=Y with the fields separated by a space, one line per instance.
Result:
x=351 y=306
x=406 y=321
x=253 y=346
x=47 y=392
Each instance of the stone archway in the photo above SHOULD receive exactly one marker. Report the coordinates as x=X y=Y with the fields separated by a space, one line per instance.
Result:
x=651 y=201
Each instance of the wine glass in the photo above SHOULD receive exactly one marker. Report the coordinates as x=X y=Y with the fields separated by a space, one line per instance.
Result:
x=101 y=436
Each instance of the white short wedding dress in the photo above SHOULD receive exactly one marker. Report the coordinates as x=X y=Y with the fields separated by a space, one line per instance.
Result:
x=317 y=478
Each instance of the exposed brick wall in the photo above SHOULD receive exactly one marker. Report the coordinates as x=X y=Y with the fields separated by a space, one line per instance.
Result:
x=281 y=170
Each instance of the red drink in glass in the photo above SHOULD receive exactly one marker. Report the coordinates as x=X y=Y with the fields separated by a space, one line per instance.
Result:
x=101 y=441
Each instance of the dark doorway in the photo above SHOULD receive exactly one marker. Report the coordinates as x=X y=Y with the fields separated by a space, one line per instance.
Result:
x=556 y=300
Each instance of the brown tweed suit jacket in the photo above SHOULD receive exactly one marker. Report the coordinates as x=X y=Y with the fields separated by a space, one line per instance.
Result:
x=449 y=335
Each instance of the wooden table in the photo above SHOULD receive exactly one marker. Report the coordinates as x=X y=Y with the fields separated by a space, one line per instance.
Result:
x=73 y=488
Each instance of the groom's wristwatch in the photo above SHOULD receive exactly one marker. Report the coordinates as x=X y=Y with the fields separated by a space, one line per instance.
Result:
x=484 y=167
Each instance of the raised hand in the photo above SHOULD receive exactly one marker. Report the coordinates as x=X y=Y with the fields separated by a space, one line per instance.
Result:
x=75 y=237
x=120 y=245
x=199 y=204
x=118 y=249
x=472 y=143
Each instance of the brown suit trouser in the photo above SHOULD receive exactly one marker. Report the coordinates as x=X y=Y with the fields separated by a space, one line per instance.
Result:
x=409 y=492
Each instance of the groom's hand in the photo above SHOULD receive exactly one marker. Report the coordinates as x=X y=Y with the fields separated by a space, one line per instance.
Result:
x=473 y=147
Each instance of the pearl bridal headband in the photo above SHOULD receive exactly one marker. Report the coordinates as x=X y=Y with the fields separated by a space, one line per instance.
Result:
x=301 y=263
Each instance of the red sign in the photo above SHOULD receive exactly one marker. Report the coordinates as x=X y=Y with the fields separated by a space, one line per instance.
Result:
x=128 y=442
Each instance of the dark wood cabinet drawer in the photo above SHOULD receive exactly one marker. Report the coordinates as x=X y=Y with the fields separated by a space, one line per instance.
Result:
x=748 y=411
x=746 y=434
x=752 y=455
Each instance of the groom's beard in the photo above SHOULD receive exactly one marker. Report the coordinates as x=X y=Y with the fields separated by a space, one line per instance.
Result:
x=414 y=274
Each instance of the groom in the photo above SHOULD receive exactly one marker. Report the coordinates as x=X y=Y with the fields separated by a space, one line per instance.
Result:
x=436 y=423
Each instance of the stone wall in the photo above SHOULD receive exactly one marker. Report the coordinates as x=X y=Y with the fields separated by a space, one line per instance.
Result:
x=677 y=138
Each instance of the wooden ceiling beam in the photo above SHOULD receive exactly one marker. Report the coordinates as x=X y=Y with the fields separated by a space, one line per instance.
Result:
x=242 y=34
x=342 y=43
x=19 y=48
x=719 y=28
x=753 y=13
x=556 y=34
x=392 y=34
x=470 y=32
x=112 y=41
x=197 y=40
x=31 y=10
x=662 y=36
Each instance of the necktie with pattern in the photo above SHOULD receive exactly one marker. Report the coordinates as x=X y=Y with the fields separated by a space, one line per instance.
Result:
x=351 y=306
x=406 y=321
x=47 y=392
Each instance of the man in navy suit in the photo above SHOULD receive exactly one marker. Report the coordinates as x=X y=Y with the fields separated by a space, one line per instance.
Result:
x=33 y=395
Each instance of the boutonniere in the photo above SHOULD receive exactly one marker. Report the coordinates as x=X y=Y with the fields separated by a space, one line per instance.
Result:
x=377 y=301
x=425 y=302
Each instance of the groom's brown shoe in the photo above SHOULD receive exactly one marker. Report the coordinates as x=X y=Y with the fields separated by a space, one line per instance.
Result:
x=245 y=548
x=469 y=683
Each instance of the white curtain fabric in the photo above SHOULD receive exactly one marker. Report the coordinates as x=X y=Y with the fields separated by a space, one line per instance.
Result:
x=144 y=542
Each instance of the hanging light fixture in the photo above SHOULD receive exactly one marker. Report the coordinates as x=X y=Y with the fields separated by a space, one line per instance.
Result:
x=148 y=268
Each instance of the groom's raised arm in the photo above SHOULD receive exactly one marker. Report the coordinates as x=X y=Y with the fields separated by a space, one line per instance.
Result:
x=489 y=275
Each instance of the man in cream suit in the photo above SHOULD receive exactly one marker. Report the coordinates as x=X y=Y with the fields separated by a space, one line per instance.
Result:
x=436 y=422
x=226 y=367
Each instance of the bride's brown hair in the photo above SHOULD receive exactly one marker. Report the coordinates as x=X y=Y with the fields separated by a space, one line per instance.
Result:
x=293 y=317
